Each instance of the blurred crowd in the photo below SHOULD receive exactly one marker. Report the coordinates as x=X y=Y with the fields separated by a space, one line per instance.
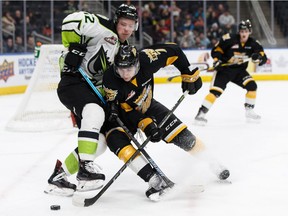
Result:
x=187 y=20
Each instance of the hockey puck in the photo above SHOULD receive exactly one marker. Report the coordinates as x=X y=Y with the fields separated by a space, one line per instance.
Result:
x=55 y=207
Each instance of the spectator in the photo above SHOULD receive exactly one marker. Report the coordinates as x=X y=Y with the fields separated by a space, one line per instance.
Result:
x=175 y=38
x=18 y=22
x=30 y=43
x=204 y=40
x=178 y=23
x=9 y=45
x=19 y=44
x=197 y=44
x=220 y=9
x=174 y=9
x=18 y=17
x=227 y=22
x=162 y=31
x=187 y=39
x=147 y=20
x=199 y=23
x=212 y=18
x=188 y=23
x=30 y=28
x=152 y=9
x=47 y=30
x=214 y=32
x=70 y=7
x=163 y=6
x=8 y=22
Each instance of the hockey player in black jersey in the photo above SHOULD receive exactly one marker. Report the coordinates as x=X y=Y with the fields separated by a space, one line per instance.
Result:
x=129 y=92
x=233 y=51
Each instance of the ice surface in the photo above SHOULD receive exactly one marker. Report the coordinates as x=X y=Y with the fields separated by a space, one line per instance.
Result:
x=256 y=154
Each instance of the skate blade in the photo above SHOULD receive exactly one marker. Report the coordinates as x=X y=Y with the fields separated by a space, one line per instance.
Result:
x=156 y=197
x=199 y=123
x=84 y=186
x=54 y=190
x=224 y=181
x=253 y=121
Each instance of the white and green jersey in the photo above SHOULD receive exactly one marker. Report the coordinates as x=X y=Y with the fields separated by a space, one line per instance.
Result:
x=100 y=35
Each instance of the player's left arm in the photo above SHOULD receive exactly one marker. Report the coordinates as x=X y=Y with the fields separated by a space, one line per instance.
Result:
x=157 y=56
x=258 y=55
x=162 y=55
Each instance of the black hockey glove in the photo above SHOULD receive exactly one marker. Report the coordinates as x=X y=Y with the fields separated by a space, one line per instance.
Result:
x=257 y=58
x=191 y=81
x=150 y=129
x=112 y=111
x=74 y=57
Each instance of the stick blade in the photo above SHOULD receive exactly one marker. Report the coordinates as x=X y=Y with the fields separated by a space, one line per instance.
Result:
x=78 y=200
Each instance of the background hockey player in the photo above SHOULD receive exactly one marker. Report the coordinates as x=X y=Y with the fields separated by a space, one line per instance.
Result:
x=234 y=50
x=92 y=41
x=129 y=86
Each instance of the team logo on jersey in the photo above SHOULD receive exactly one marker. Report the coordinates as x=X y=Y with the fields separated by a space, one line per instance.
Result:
x=110 y=94
x=98 y=64
x=153 y=53
x=112 y=40
x=6 y=70
x=144 y=100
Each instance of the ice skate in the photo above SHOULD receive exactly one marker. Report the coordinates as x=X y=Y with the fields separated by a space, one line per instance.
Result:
x=58 y=183
x=157 y=187
x=200 y=118
x=89 y=176
x=251 y=116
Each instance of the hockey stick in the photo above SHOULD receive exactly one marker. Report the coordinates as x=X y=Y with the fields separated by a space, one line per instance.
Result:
x=159 y=171
x=168 y=181
x=80 y=201
x=169 y=79
x=91 y=85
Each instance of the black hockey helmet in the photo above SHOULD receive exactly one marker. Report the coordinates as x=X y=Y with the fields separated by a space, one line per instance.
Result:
x=126 y=11
x=126 y=57
x=245 y=25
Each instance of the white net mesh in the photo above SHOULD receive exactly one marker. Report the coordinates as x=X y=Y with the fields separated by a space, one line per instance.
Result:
x=40 y=109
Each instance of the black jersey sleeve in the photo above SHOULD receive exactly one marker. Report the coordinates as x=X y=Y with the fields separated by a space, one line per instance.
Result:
x=258 y=48
x=219 y=51
x=161 y=55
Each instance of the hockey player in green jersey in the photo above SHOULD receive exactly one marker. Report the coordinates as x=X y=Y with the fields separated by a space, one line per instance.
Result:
x=92 y=42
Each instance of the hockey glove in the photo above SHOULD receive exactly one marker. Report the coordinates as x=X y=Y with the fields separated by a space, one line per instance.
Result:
x=256 y=58
x=150 y=129
x=112 y=111
x=74 y=57
x=191 y=81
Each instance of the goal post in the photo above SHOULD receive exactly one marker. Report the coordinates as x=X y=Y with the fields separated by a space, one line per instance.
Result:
x=40 y=108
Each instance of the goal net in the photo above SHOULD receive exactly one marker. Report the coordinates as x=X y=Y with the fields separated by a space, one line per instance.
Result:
x=41 y=109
